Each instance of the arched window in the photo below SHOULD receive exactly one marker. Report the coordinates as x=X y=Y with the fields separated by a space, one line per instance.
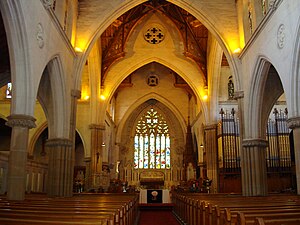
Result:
x=152 y=142
x=8 y=90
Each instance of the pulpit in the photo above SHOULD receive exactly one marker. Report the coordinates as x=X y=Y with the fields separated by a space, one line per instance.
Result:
x=150 y=196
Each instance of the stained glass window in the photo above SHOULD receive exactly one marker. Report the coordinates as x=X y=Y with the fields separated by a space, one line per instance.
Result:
x=230 y=88
x=8 y=90
x=152 y=142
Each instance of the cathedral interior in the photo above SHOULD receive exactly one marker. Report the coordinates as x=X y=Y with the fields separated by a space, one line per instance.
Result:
x=119 y=96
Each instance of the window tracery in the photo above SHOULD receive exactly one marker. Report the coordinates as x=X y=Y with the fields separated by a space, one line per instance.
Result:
x=152 y=142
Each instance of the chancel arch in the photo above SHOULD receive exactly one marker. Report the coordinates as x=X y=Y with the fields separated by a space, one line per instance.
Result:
x=86 y=38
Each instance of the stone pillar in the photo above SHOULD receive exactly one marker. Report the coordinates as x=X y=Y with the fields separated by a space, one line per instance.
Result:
x=96 y=153
x=294 y=123
x=88 y=178
x=61 y=167
x=239 y=96
x=16 y=181
x=211 y=149
x=75 y=95
x=253 y=167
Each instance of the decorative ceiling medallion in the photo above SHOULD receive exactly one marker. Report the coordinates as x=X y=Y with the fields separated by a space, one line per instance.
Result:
x=152 y=80
x=48 y=3
x=154 y=35
x=40 y=35
x=281 y=36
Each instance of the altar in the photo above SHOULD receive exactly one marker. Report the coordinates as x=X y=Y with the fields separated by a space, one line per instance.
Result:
x=148 y=196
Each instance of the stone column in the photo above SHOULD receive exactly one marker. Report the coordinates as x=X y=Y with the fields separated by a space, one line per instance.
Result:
x=16 y=181
x=61 y=167
x=239 y=96
x=211 y=149
x=88 y=178
x=253 y=167
x=75 y=95
x=294 y=123
x=96 y=153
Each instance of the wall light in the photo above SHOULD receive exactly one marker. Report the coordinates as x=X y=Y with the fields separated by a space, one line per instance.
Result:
x=205 y=94
x=102 y=97
x=77 y=49
x=237 y=50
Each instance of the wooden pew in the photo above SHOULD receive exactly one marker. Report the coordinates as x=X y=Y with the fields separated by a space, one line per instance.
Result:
x=214 y=213
x=231 y=215
x=244 y=218
x=281 y=221
x=100 y=209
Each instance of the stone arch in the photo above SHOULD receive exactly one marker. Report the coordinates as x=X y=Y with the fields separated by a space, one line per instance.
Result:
x=295 y=78
x=204 y=16
x=78 y=133
x=5 y=134
x=22 y=91
x=4 y=63
x=140 y=104
x=265 y=88
x=39 y=130
x=139 y=62
x=176 y=130
x=52 y=96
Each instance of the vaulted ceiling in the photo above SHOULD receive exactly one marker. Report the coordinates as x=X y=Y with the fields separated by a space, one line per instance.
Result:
x=194 y=33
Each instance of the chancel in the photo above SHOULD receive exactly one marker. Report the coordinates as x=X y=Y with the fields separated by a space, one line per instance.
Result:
x=114 y=112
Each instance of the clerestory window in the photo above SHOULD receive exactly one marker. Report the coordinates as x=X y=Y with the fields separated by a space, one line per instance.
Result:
x=152 y=142
x=8 y=90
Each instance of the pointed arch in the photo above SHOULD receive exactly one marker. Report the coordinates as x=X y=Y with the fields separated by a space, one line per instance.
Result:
x=38 y=131
x=22 y=91
x=140 y=104
x=53 y=99
x=227 y=41
x=125 y=131
x=111 y=84
x=294 y=105
x=266 y=87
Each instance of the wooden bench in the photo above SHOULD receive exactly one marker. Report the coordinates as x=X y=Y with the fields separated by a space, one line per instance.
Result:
x=244 y=218
x=280 y=221
x=213 y=209
x=231 y=215
x=96 y=209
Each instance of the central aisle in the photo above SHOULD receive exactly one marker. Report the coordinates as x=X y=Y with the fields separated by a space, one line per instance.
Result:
x=157 y=217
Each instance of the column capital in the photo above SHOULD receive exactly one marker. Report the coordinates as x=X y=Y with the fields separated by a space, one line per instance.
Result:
x=293 y=122
x=76 y=94
x=97 y=126
x=211 y=126
x=53 y=142
x=21 y=120
x=238 y=95
x=87 y=159
x=255 y=142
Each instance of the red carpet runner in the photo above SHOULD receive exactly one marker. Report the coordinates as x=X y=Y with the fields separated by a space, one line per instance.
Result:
x=157 y=217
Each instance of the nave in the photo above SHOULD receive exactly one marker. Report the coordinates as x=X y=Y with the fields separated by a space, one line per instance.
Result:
x=158 y=215
x=124 y=209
